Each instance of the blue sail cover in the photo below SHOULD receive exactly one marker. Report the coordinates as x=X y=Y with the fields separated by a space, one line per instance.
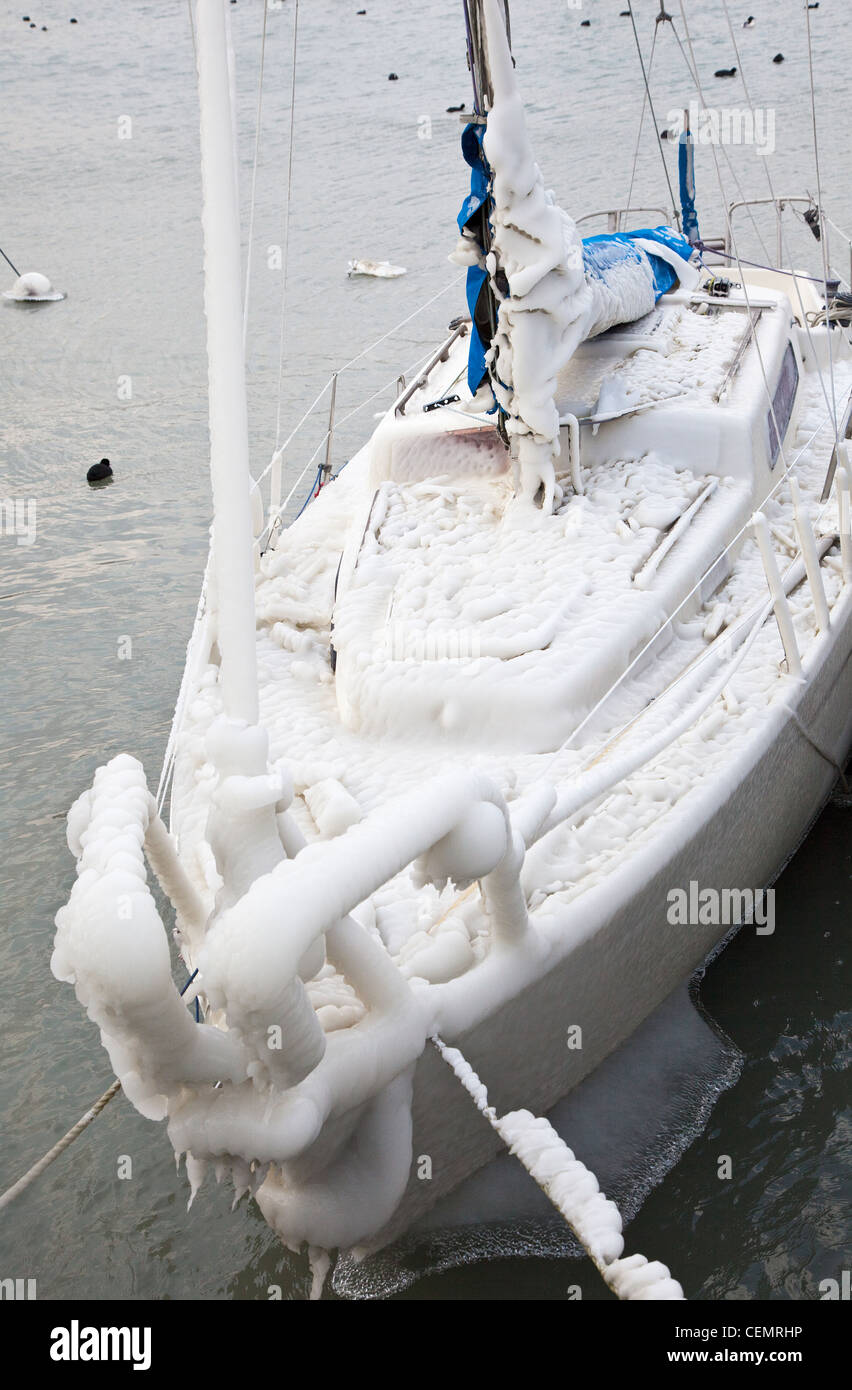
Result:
x=600 y=253
x=480 y=180
x=686 y=176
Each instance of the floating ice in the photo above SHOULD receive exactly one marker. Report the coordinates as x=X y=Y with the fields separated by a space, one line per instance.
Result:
x=382 y=270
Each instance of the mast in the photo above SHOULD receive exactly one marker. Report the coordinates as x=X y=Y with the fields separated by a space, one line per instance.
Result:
x=483 y=98
x=233 y=564
x=477 y=53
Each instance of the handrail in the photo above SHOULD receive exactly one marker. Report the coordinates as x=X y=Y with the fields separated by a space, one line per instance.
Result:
x=443 y=352
x=780 y=203
x=646 y=571
x=736 y=362
x=615 y=216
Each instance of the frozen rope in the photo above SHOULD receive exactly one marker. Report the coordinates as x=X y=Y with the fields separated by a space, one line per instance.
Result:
x=573 y=1189
x=279 y=449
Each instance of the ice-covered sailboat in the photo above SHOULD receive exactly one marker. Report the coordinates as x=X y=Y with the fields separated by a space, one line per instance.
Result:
x=476 y=749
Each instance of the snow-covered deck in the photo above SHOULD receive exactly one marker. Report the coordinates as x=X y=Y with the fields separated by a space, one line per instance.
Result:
x=472 y=631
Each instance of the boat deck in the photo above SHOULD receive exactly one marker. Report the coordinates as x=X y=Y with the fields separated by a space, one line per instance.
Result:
x=531 y=620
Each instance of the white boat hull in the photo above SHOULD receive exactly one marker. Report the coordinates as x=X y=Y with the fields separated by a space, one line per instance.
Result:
x=630 y=958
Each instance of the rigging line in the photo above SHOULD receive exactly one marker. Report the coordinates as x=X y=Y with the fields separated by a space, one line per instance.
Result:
x=279 y=448
x=692 y=69
x=192 y=28
x=294 y=431
x=413 y=368
x=730 y=233
x=8 y=262
x=641 y=119
x=350 y=363
x=287 y=224
x=254 y=175
x=654 y=116
x=73 y=1133
x=338 y=424
x=402 y=323
x=831 y=407
x=819 y=210
x=751 y=105
x=758 y=265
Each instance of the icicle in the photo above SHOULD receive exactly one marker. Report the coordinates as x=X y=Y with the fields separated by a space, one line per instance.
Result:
x=195 y=1171
x=320 y=1262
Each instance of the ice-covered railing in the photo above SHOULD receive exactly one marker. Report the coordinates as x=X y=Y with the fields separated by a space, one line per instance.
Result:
x=278 y=914
x=111 y=944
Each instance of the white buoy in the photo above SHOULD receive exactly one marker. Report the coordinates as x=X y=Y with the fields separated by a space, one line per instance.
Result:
x=33 y=288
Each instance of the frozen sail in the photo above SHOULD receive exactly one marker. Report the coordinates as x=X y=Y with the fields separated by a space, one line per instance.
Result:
x=552 y=288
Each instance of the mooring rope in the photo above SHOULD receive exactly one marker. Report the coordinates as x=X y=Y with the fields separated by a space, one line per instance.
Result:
x=8 y=262
x=74 y=1132
x=60 y=1146
x=572 y=1188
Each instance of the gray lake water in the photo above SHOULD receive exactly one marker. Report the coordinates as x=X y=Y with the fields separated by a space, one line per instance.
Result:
x=119 y=369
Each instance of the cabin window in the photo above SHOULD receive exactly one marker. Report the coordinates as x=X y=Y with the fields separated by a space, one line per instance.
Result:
x=782 y=403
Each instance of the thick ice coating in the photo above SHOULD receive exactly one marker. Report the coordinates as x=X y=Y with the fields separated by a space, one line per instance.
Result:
x=551 y=306
x=572 y=1188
